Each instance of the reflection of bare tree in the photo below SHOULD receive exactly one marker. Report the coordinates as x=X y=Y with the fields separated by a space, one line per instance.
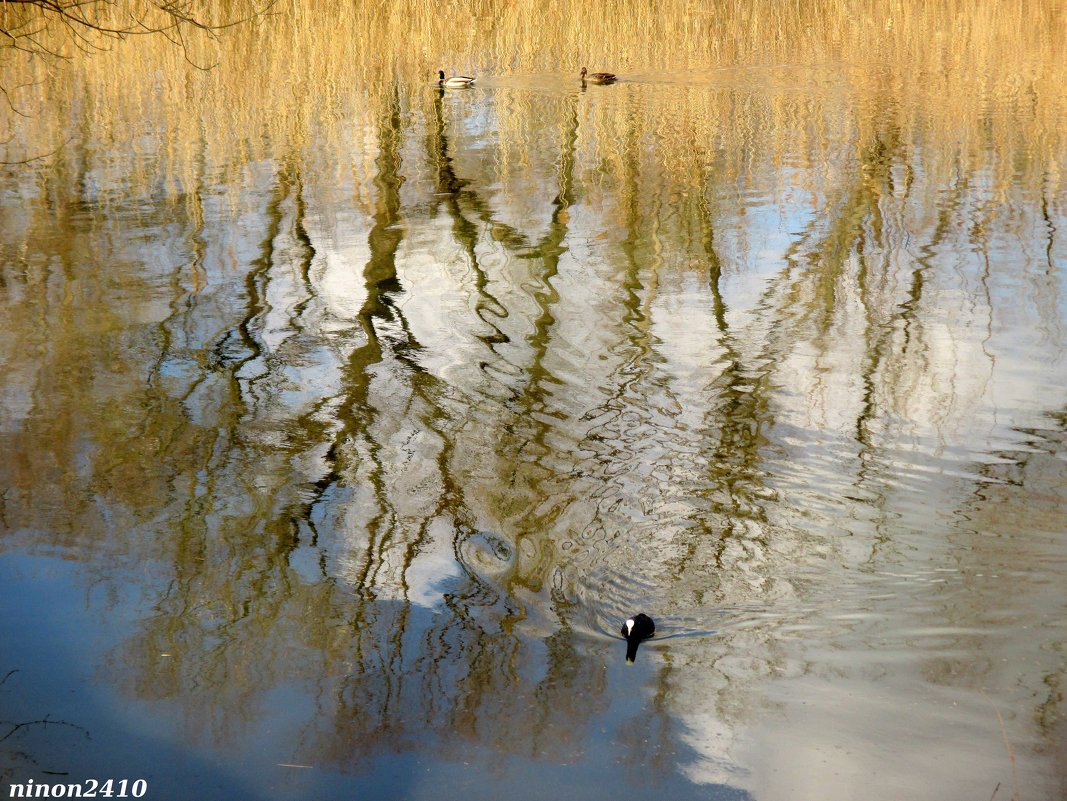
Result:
x=737 y=421
x=448 y=673
x=451 y=189
x=527 y=420
x=285 y=485
x=394 y=671
x=533 y=414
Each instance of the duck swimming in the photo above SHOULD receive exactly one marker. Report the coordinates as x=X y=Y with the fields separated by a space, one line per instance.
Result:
x=598 y=77
x=635 y=629
x=455 y=82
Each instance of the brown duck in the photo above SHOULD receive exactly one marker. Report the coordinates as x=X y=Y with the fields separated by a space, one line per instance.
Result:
x=598 y=77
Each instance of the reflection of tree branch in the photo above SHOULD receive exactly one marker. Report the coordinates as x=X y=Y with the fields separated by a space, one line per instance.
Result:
x=456 y=194
x=453 y=188
x=908 y=316
x=532 y=401
x=357 y=413
x=245 y=332
x=739 y=416
x=41 y=156
x=569 y=674
x=550 y=248
x=1049 y=225
x=879 y=335
x=308 y=253
x=11 y=103
x=464 y=231
x=478 y=642
x=1046 y=291
x=634 y=346
x=45 y=721
x=827 y=256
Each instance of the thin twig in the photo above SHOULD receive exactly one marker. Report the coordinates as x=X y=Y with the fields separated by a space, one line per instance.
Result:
x=1007 y=745
x=42 y=156
x=44 y=722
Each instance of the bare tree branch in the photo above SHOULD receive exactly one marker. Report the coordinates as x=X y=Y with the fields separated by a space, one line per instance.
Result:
x=52 y=29
x=45 y=721
x=84 y=18
x=38 y=158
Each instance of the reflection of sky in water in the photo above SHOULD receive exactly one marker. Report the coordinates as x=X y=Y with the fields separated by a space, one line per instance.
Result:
x=362 y=471
x=268 y=759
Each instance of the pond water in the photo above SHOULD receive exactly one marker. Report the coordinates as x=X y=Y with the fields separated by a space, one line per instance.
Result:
x=331 y=466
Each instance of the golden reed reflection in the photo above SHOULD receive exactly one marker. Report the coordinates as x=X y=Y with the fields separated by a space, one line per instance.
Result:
x=960 y=69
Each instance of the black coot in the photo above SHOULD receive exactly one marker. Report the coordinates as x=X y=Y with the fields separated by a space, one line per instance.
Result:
x=637 y=628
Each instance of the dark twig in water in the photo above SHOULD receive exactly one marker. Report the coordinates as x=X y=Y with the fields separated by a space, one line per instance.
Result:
x=38 y=158
x=1007 y=746
x=16 y=726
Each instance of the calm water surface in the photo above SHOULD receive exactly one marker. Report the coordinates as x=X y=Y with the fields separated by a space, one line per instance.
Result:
x=330 y=468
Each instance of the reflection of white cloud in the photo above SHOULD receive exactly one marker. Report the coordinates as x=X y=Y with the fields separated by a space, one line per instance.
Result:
x=340 y=283
x=339 y=236
x=713 y=741
x=434 y=565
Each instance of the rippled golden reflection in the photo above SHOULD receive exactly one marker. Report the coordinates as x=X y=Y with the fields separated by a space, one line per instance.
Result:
x=405 y=398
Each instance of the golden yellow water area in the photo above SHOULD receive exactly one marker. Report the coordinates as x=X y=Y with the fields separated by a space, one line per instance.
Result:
x=958 y=69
